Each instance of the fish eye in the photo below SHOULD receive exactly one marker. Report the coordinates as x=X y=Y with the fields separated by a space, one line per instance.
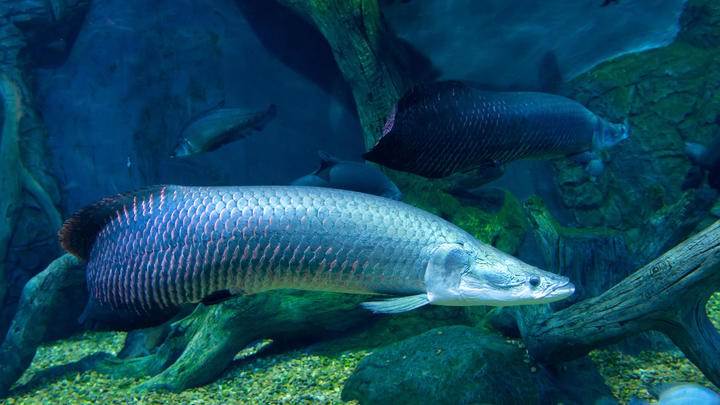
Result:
x=534 y=281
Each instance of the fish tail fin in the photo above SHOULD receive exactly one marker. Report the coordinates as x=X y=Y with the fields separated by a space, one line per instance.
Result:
x=78 y=232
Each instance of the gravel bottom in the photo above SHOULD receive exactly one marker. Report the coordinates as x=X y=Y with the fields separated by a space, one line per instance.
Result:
x=297 y=377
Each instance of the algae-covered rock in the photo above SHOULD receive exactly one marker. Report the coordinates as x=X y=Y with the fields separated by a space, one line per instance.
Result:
x=452 y=365
x=593 y=258
x=503 y=226
x=667 y=95
x=701 y=24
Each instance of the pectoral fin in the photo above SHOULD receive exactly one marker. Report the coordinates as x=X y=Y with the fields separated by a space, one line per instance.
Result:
x=395 y=305
x=479 y=176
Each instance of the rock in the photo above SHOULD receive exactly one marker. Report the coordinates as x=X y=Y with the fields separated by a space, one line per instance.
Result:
x=498 y=221
x=115 y=108
x=666 y=95
x=450 y=365
x=40 y=300
x=593 y=258
x=576 y=382
x=701 y=24
x=510 y=39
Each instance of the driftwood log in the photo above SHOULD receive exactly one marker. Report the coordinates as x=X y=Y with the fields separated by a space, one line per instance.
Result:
x=366 y=52
x=668 y=294
x=198 y=348
x=39 y=302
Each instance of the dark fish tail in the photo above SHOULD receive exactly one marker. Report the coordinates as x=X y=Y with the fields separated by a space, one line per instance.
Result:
x=79 y=232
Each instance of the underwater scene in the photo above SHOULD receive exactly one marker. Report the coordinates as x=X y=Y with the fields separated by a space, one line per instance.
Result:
x=360 y=201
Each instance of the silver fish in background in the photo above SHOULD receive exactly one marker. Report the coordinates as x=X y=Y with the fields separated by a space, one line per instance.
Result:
x=704 y=159
x=151 y=251
x=220 y=126
x=442 y=128
x=349 y=175
x=682 y=394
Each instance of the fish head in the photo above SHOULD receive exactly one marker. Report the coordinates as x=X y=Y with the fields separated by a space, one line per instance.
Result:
x=183 y=149
x=483 y=275
x=607 y=134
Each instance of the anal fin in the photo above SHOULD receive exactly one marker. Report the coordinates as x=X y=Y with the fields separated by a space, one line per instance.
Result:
x=396 y=305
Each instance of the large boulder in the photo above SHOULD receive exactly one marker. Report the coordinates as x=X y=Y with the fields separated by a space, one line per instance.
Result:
x=504 y=44
x=464 y=365
x=451 y=365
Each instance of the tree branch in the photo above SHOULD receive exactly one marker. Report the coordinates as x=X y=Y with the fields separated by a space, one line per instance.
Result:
x=668 y=295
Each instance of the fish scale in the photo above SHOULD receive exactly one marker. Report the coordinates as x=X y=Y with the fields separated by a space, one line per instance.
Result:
x=141 y=259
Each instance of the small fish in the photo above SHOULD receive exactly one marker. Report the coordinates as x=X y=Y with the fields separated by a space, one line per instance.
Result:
x=155 y=250
x=442 y=128
x=704 y=159
x=608 y=2
x=220 y=126
x=349 y=175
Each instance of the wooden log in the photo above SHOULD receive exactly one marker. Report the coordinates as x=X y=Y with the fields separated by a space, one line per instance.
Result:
x=38 y=303
x=668 y=294
x=366 y=53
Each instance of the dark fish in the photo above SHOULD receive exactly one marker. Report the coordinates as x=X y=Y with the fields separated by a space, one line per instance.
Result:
x=349 y=175
x=220 y=126
x=443 y=128
x=608 y=2
x=704 y=159
x=151 y=251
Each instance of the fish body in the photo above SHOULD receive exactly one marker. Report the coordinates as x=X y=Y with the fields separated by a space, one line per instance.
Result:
x=448 y=127
x=218 y=127
x=152 y=251
x=349 y=175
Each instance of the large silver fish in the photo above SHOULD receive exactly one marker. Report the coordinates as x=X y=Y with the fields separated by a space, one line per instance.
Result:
x=220 y=126
x=153 y=250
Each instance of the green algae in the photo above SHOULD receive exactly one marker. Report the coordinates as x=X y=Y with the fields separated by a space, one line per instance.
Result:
x=505 y=229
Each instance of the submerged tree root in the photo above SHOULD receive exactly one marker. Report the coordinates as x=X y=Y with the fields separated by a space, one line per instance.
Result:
x=668 y=295
x=367 y=54
x=200 y=347
x=38 y=303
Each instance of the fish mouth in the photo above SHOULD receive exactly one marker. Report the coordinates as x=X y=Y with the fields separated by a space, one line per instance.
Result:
x=562 y=291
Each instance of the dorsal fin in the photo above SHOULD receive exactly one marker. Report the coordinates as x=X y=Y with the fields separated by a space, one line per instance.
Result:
x=326 y=162
x=78 y=233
